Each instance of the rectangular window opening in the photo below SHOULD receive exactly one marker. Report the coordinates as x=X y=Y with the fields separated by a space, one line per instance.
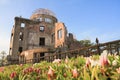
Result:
x=59 y=34
x=22 y=24
x=20 y=49
x=21 y=36
x=41 y=41
x=53 y=38
x=42 y=28
x=42 y=56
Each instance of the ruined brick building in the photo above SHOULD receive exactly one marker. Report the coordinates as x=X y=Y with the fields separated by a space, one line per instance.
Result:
x=38 y=36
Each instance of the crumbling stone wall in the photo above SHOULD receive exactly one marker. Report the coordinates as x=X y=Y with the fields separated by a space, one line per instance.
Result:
x=40 y=31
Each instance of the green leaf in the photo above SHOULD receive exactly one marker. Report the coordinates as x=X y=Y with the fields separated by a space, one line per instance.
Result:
x=86 y=75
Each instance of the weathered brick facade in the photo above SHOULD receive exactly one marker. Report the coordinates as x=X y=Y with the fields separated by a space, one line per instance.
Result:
x=40 y=34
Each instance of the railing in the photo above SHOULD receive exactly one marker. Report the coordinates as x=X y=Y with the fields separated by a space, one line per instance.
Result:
x=111 y=47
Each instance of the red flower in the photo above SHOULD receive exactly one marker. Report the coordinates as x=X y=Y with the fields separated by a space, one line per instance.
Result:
x=25 y=71
x=13 y=75
x=74 y=73
x=37 y=70
x=30 y=69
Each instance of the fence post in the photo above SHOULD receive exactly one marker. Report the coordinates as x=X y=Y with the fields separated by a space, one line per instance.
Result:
x=98 y=49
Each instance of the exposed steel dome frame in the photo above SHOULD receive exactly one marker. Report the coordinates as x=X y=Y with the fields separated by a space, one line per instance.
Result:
x=44 y=11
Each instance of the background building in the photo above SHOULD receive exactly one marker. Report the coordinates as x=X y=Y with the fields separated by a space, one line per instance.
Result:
x=38 y=36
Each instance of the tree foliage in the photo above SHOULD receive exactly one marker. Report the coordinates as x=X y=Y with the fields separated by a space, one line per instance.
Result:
x=86 y=43
x=2 y=57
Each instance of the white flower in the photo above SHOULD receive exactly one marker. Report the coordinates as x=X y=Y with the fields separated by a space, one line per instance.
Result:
x=91 y=62
x=105 y=52
x=94 y=63
x=114 y=63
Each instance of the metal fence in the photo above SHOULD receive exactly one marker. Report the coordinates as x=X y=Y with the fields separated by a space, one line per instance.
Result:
x=111 y=47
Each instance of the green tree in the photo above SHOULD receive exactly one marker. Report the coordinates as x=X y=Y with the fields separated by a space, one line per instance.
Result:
x=3 y=57
x=86 y=43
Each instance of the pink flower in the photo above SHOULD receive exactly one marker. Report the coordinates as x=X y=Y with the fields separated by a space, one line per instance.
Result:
x=50 y=73
x=103 y=58
x=57 y=61
x=21 y=64
x=103 y=61
x=66 y=60
x=13 y=75
x=88 y=62
x=118 y=70
x=74 y=73
x=1 y=69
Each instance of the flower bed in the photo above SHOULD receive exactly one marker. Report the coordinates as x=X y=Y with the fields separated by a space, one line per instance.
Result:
x=104 y=67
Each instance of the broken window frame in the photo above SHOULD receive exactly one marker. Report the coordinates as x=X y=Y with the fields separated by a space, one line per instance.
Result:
x=48 y=20
x=39 y=19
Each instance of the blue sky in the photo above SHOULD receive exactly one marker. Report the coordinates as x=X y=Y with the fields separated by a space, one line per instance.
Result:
x=86 y=19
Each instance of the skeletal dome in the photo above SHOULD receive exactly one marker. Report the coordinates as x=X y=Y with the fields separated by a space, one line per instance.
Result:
x=42 y=11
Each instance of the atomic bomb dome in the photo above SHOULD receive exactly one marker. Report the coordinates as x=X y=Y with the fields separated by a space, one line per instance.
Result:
x=39 y=36
x=44 y=11
x=40 y=12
